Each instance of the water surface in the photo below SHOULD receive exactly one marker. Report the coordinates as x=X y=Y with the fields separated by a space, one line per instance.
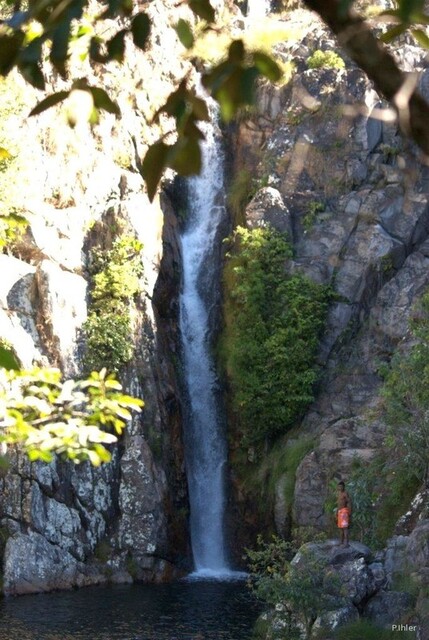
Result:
x=200 y=610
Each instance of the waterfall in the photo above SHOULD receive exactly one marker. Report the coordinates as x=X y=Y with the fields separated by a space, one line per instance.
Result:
x=205 y=442
x=257 y=9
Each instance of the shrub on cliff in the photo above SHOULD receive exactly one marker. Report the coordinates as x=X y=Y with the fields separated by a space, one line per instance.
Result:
x=299 y=591
x=115 y=279
x=406 y=395
x=272 y=326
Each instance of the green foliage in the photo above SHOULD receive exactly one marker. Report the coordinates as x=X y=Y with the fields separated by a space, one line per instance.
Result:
x=76 y=419
x=116 y=274
x=381 y=491
x=406 y=395
x=8 y=358
x=305 y=589
x=273 y=322
x=12 y=226
x=281 y=463
x=364 y=629
x=326 y=60
x=313 y=209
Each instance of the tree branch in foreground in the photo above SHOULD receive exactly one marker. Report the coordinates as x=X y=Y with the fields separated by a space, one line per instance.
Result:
x=355 y=36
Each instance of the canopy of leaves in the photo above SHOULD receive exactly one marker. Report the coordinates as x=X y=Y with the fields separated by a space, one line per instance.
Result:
x=76 y=419
x=50 y=27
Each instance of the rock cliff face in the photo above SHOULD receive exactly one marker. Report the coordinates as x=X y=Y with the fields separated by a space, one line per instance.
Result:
x=353 y=198
x=64 y=525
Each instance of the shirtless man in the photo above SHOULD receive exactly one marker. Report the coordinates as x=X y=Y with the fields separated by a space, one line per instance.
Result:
x=344 y=511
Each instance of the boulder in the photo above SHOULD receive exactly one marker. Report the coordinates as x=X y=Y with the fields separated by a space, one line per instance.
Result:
x=349 y=564
x=395 y=562
x=268 y=207
x=388 y=607
x=32 y=565
x=333 y=619
x=417 y=547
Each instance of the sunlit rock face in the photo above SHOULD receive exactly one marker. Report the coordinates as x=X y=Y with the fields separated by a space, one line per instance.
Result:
x=65 y=525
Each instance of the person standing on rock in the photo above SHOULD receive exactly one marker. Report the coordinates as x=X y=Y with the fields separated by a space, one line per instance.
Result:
x=344 y=511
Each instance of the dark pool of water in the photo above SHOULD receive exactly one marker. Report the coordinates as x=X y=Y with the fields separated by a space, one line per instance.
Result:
x=199 y=610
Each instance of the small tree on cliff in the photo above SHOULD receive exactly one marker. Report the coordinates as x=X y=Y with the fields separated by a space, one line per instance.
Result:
x=302 y=589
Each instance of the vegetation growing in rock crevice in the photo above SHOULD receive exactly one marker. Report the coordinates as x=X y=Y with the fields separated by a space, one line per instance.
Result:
x=383 y=488
x=406 y=396
x=115 y=282
x=325 y=60
x=300 y=592
x=272 y=327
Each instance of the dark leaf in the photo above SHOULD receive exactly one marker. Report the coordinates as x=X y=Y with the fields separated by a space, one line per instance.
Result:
x=60 y=46
x=114 y=6
x=48 y=102
x=184 y=33
x=153 y=166
x=32 y=73
x=199 y=108
x=127 y=6
x=140 y=28
x=175 y=105
x=185 y=157
x=32 y=52
x=236 y=52
x=116 y=46
x=421 y=37
x=393 y=33
x=217 y=76
x=8 y=359
x=267 y=66
x=247 y=85
x=9 y=48
x=407 y=9
x=344 y=7
x=95 y=50
x=203 y=9
x=103 y=101
x=190 y=130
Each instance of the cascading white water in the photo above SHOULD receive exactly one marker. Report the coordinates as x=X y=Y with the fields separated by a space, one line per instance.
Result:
x=205 y=442
x=257 y=9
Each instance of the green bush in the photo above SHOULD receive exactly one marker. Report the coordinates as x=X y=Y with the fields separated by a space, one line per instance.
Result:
x=115 y=277
x=305 y=589
x=325 y=59
x=406 y=396
x=364 y=629
x=272 y=328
